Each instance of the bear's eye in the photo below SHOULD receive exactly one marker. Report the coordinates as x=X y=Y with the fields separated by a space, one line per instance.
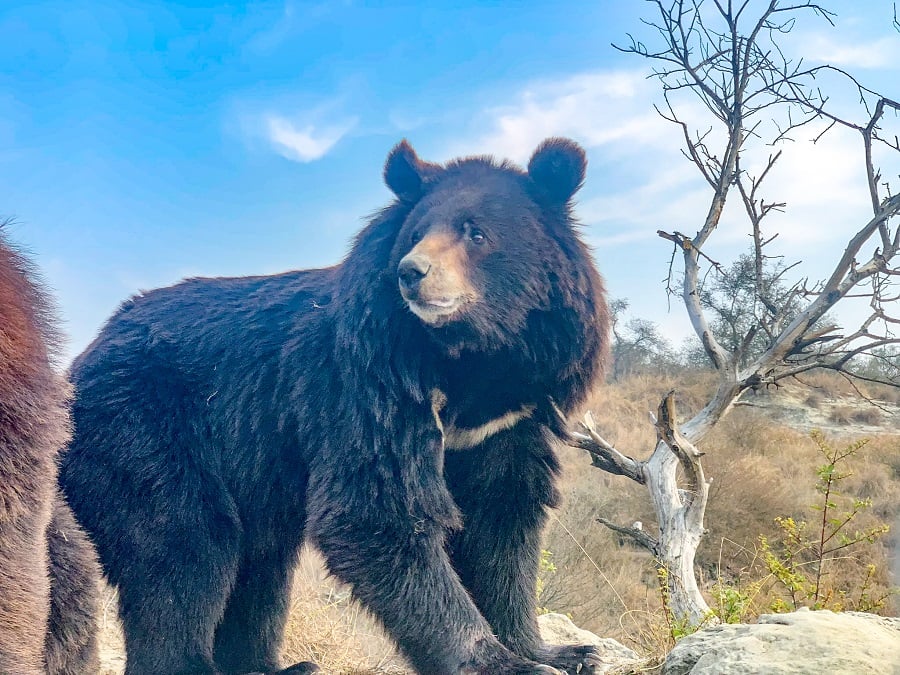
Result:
x=415 y=237
x=476 y=236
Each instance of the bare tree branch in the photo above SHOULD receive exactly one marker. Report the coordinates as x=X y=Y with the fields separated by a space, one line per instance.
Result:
x=640 y=537
x=605 y=453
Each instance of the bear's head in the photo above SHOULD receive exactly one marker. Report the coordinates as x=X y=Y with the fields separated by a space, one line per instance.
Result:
x=485 y=245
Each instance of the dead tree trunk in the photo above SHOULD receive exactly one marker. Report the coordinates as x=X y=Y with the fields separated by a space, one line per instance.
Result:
x=679 y=512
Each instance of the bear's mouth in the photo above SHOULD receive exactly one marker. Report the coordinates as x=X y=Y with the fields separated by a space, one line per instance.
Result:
x=434 y=311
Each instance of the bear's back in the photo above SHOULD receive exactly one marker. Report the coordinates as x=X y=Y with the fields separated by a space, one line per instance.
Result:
x=190 y=355
x=201 y=321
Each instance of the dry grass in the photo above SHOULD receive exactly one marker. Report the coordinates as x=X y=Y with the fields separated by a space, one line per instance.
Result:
x=112 y=643
x=841 y=415
x=814 y=400
x=844 y=415
x=868 y=416
x=833 y=385
x=328 y=627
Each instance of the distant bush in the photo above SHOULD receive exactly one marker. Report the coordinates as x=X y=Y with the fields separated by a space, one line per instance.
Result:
x=844 y=415
x=841 y=414
x=870 y=416
x=813 y=400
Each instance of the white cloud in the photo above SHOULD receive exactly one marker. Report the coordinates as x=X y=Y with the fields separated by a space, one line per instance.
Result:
x=597 y=108
x=824 y=187
x=304 y=142
x=672 y=199
x=297 y=125
x=880 y=53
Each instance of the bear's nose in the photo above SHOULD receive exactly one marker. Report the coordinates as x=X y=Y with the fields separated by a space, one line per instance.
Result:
x=412 y=269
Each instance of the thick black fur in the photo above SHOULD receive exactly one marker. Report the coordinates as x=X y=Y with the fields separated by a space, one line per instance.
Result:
x=222 y=422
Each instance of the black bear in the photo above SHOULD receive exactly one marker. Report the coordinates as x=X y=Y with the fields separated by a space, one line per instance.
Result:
x=398 y=410
x=48 y=571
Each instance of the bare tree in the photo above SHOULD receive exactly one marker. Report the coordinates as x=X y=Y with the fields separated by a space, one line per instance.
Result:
x=754 y=96
x=638 y=345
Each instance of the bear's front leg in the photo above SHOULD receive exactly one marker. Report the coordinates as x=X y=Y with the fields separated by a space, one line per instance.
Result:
x=387 y=539
x=504 y=487
x=406 y=580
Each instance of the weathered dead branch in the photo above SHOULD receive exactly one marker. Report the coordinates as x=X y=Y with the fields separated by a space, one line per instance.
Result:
x=679 y=512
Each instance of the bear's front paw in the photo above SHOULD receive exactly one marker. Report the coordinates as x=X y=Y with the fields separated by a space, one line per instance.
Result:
x=514 y=667
x=572 y=659
x=492 y=658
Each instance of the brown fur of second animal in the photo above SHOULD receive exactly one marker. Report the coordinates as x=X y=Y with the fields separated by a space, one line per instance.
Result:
x=48 y=570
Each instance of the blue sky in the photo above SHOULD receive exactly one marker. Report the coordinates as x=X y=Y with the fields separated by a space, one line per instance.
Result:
x=142 y=142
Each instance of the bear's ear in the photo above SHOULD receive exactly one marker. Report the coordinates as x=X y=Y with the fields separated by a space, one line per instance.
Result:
x=405 y=174
x=557 y=170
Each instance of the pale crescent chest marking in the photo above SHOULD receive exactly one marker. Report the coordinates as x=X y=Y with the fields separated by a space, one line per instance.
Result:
x=463 y=438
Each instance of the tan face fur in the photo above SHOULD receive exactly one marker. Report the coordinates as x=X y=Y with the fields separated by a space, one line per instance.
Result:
x=437 y=285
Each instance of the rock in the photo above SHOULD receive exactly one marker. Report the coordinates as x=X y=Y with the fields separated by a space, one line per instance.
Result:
x=558 y=629
x=799 y=643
